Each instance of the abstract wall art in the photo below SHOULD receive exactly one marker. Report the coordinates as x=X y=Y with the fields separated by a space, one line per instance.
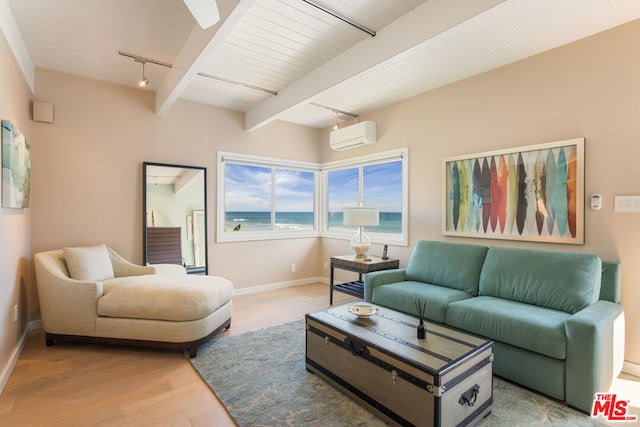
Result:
x=16 y=167
x=533 y=193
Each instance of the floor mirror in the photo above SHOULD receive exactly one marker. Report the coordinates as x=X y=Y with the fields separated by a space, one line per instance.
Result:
x=175 y=216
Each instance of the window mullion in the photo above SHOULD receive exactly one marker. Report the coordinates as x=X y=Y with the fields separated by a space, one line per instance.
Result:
x=361 y=185
x=273 y=199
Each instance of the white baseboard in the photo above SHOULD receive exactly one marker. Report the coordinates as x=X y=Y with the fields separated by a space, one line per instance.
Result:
x=35 y=324
x=279 y=285
x=631 y=368
x=17 y=351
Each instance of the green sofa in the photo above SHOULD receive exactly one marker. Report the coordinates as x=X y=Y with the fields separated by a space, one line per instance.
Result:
x=555 y=317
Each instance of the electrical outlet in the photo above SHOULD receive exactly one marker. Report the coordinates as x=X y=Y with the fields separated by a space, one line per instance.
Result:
x=16 y=313
x=326 y=265
x=292 y=268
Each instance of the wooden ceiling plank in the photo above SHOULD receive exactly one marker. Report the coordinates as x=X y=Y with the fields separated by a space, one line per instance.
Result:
x=425 y=21
x=196 y=51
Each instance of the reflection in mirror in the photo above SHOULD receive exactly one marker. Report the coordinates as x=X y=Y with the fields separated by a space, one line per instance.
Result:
x=175 y=220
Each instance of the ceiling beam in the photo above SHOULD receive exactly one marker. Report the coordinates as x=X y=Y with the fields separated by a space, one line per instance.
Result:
x=426 y=21
x=197 y=50
x=16 y=45
x=190 y=176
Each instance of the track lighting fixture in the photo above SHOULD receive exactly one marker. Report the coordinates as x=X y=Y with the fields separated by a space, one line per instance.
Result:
x=340 y=17
x=237 y=83
x=144 y=81
x=337 y=112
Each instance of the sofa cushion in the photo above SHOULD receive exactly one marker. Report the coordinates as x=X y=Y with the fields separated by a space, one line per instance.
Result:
x=177 y=297
x=521 y=325
x=452 y=265
x=566 y=281
x=402 y=296
x=90 y=263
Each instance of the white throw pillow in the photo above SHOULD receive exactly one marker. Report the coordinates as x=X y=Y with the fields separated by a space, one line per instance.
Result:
x=89 y=263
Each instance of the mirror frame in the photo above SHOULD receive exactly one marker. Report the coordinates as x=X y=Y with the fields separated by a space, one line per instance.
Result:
x=145 y=165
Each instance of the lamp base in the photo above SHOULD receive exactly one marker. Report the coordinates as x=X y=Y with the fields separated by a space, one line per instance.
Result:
x=360 y=244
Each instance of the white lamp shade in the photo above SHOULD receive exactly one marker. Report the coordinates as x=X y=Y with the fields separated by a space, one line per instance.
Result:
x=361 y=217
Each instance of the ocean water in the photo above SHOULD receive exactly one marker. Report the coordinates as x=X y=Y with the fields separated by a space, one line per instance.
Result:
x=390 y=222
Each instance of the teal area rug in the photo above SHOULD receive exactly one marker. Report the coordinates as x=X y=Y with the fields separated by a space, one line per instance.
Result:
x=261 y=379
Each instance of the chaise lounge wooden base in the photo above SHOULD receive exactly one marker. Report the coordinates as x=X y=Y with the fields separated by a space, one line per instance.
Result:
x=192 y=346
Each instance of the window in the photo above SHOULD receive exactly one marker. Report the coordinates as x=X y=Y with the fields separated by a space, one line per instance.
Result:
x=342 y=192
x=294 y=200
x=383 y=189
x=376 y=181
x=264 y=198
x=267 y=198
x=247 y=198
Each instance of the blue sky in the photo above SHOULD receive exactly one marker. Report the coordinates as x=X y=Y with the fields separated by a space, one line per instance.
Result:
x=382 y=187
x=248 y=188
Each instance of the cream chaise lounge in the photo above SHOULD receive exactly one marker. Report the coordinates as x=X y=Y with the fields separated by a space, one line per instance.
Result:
x=91 y=294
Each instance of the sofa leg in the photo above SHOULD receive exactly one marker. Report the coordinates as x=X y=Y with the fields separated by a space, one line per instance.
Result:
x=193 y=351
x=48 y=340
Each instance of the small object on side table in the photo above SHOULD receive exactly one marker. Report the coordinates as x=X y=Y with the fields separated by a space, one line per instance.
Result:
x=422 y=329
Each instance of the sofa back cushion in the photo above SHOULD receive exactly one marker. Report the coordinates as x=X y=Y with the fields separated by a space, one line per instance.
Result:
x=453 y=265
x=91 y=263
x=611 y=284
x=563 y=281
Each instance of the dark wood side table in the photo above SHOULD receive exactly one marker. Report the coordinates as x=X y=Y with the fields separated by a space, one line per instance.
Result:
x=351 y=263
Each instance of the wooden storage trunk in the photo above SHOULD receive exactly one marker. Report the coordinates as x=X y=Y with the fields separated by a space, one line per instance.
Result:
x=444 y=380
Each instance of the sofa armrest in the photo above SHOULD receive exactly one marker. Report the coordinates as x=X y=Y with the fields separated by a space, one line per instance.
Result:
x=379 y=278
x=67 y=306
x=168 y=269
x=124 y=268
x=595 y=352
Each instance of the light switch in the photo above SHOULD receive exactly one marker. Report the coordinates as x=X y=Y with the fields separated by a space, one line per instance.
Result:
x=627 y=204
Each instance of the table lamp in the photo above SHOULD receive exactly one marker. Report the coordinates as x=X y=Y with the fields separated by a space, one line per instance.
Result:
x=360 y=217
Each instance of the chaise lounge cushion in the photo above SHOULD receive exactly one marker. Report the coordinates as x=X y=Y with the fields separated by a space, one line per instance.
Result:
x=174 y=297
x=91 y=263
x=534 y=328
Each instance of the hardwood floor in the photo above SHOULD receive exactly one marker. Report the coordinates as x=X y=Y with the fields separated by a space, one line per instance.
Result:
x=95 y=385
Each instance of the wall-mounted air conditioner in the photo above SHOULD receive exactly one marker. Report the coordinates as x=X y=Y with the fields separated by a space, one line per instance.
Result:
x=353 y=136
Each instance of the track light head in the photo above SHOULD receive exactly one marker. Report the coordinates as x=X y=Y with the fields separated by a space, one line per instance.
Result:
x=143 y=82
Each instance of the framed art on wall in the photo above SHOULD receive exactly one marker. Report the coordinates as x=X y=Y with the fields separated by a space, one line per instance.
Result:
x=16 y=167
x=533 y=193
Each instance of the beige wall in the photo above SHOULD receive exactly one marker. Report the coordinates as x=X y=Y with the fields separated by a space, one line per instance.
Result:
x=15 y=224
x=87 y=172
x=589 y=89
x=87 y=166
